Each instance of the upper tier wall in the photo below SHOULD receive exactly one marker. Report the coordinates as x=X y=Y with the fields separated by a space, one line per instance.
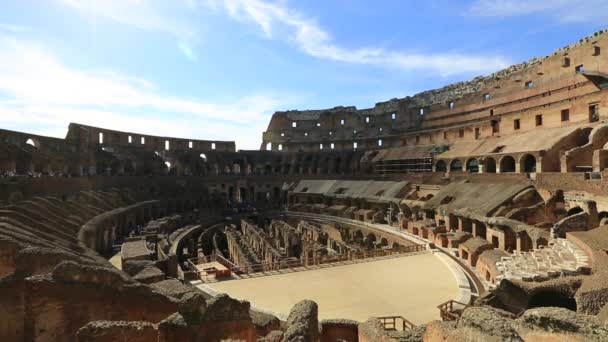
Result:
x=85 y=135
x=564 y=80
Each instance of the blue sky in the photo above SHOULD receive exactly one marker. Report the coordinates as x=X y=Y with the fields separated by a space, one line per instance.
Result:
x=218 y=69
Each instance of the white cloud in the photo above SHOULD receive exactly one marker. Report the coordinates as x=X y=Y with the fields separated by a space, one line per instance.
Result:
x=145 y=15
x=36 y=88
x=562 y=10
x=310 y=37
x=186 y=49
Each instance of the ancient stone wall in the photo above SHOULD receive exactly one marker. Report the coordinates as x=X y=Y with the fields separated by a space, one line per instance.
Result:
x=475 y=109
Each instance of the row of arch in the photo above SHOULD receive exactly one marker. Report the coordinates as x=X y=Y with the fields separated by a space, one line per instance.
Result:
x=505 y=164
x=235 y=164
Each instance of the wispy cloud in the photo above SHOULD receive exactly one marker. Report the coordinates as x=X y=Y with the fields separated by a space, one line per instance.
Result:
x=37 y=88
x=563 y=10
x=11 y=28
x=145 y=15
x=186 y=49
x=275 y=19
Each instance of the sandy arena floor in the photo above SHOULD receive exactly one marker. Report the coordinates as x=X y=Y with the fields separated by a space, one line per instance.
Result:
x=410 y=286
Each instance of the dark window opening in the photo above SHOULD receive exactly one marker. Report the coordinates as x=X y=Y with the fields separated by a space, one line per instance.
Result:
x=539 y=120
x=596 y=50
x=565 y=114
x=477 y=133
x=516 y=124
x=579 y=69
x=495 y=126
x=593 y=113
x=461 y=133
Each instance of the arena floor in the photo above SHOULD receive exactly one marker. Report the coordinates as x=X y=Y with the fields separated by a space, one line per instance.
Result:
x=408 y=286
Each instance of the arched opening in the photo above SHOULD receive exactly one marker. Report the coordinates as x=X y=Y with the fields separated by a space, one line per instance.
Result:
x=552 y=299
x=490 y=165
x=473 y=166
x=507 y=164
x=525 y=242
x=236 y=168
x=358 y=237
x=541 y=242
x=267 y=169
x=582 y=138
x=480 y=230
x=129 y=167
x=337 y=166
x=31 y=142
x=574 y=211
x=440 y=166
x=456 y=165
x=528 y=163
x=370 y=241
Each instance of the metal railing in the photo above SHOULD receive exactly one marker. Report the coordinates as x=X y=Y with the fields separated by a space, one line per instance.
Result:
x=396 y=323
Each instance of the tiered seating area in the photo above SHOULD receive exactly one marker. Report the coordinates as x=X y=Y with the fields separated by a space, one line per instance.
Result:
x=561 y=257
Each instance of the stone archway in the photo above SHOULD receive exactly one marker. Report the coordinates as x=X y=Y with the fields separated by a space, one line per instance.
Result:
x=472 y=165
x=490 y=165
x=456 y=165
x=528 y=163
x=507 y=164
x=441 y=166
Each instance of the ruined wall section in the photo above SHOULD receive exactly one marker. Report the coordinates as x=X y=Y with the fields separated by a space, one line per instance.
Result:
x=90 y=136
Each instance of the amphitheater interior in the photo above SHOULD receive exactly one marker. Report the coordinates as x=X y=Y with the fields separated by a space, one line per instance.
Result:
x=474 y=212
